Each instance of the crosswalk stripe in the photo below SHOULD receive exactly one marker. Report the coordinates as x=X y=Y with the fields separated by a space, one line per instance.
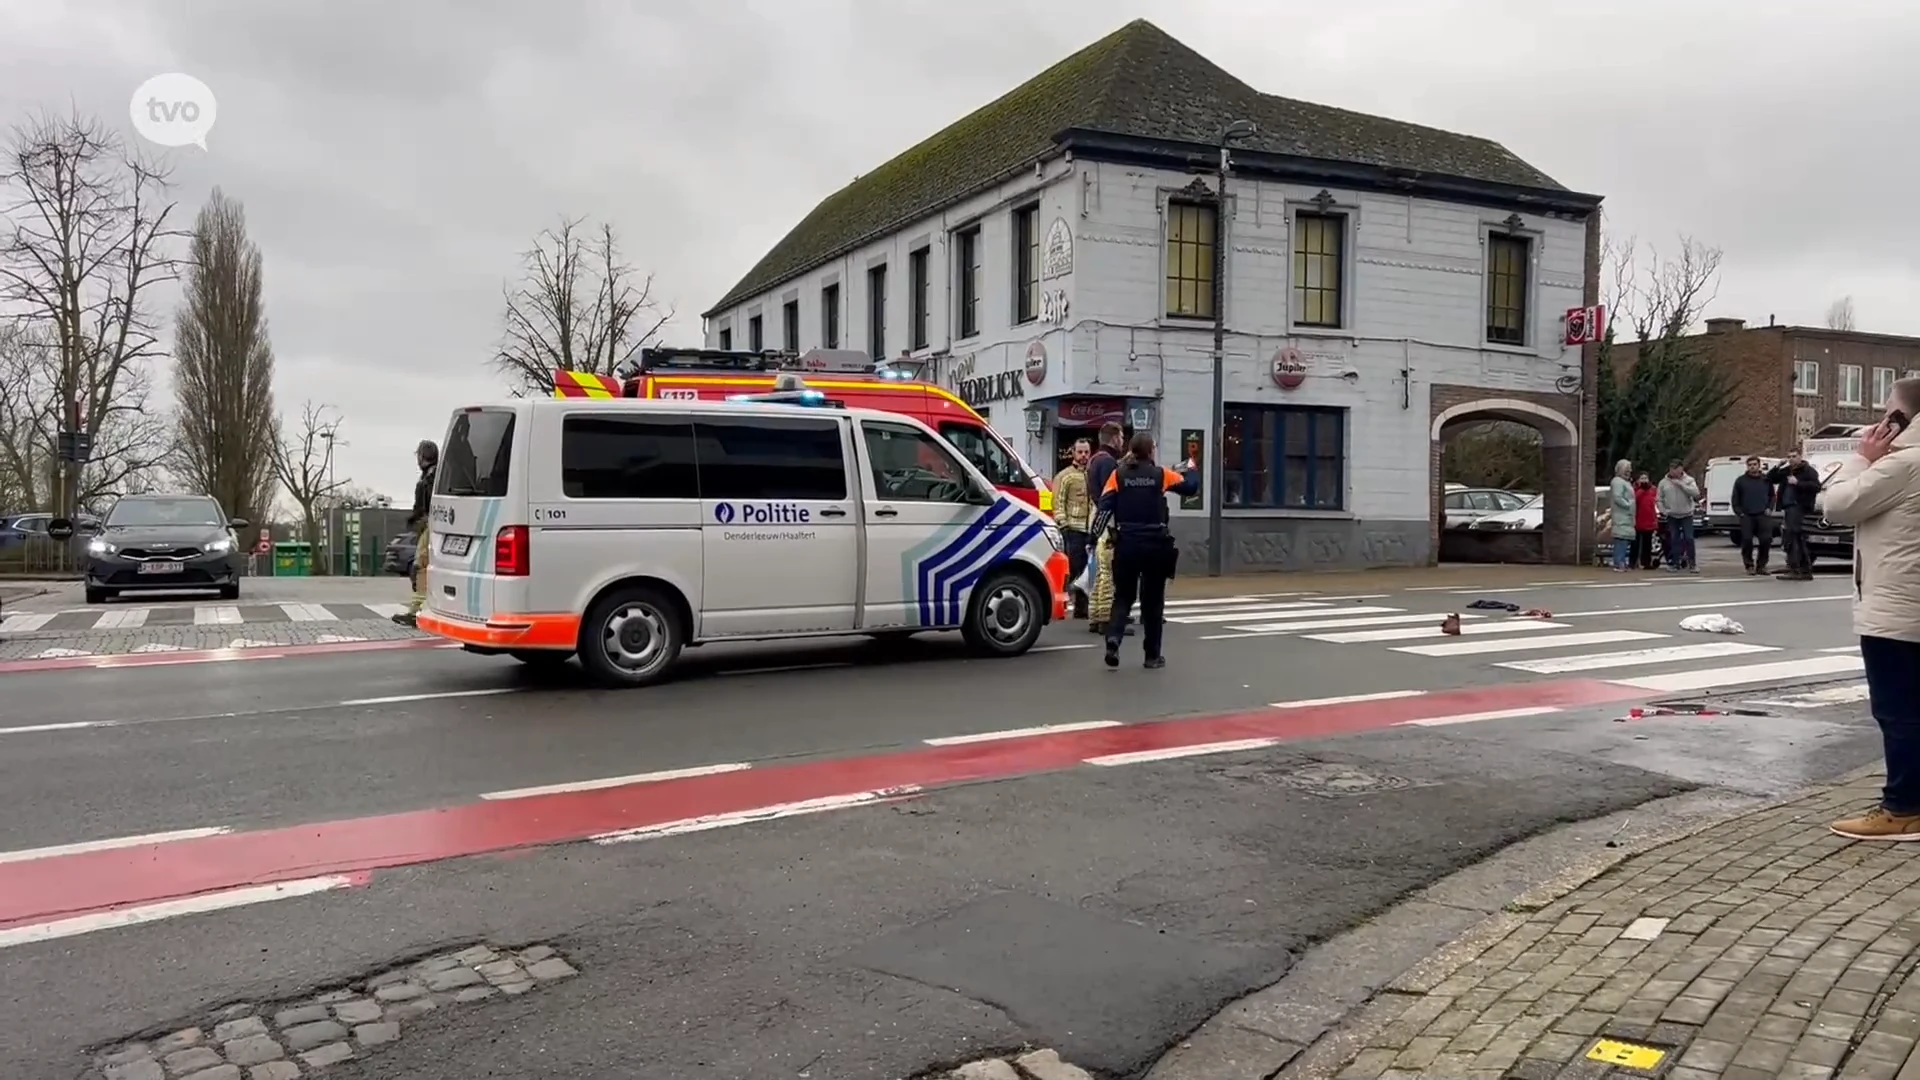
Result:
x=221 y=615
x=1406 y=633
x=1475 y=717
x=308 y=613
x=1270 y=629
x=23 y=622
x=1212 y=615
x=1242 y=599
x=385 y=611
x=1556 y=641
x=1277 y=616
x=1671 y=654
x=125 y=619
x=1777 y=671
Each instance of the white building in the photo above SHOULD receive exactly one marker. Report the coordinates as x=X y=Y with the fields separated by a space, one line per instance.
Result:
x=1051 y=255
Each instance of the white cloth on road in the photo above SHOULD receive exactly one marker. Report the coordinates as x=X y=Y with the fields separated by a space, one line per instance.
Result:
x=1711 y=624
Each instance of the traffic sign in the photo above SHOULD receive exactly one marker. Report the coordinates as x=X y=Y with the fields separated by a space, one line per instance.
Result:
x=60 y=529
x=75 y=446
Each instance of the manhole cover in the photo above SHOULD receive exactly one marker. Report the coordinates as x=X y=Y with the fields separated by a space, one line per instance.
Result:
x=1324 y=778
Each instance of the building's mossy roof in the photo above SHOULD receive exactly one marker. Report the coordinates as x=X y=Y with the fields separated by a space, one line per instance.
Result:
x=1137 y=81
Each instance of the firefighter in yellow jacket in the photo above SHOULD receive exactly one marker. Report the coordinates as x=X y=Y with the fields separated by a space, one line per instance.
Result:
x=1099 y=469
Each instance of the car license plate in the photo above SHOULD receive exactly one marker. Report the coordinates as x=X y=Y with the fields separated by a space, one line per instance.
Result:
x=160 y=568
x=456 y=545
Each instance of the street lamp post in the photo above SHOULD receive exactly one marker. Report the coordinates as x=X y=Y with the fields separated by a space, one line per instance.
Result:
x=1237 y=131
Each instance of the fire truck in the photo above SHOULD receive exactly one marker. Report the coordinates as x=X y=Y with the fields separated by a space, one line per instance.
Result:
x=841 y=375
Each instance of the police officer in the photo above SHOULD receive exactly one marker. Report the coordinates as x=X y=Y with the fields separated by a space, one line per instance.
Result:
x=1133 y=504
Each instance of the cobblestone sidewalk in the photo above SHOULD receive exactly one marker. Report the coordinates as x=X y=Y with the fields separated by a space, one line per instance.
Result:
x=1761 y=948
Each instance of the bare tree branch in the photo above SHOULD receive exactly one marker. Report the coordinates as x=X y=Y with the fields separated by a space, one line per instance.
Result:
x=303 y=463
x=1840 y=314
x=85 y=238
x=223 y=366
x=578 y=306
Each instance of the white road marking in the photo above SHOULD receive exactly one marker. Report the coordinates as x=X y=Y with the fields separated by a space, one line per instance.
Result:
x=764 y=813
x=1778 y=671
x=1349 y=699
x=27 y=621
x=1644 y=929
x=1215 y=615
x=618 y=781
x=1021 y=733
x=1476 y=717
x=1854 y=649
x=1552 y=641
x=309 y=613
x=1241 y=599
x=123 y=619
x=249 y=643
x=1138 y=757
x=60 y=654
x=1270 y=629
x=69 y=725
x=336 y=639
x=1615 y=585
x=1672 y=654
x=216 y=615
x=1439 y=588
x=30 y=854
x=386 y=611
x=168 y=909
x=1276 y=617
x=398 y=698
x=1063 y=648
x=1553 y=584
x=1832 y=695
x=1404 y=633
x=1709 y=605
x=159 y=646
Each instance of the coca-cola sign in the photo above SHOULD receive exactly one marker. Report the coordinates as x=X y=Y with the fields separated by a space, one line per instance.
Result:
x=1092 y=412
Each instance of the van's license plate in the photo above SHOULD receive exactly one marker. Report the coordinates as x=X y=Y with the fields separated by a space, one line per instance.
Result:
x=456 y=545
x=160 y=568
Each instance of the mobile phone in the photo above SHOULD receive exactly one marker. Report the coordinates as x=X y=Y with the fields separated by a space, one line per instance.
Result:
x=1898 y=421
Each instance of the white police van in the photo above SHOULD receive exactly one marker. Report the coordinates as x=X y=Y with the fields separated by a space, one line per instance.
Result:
x=622 y=531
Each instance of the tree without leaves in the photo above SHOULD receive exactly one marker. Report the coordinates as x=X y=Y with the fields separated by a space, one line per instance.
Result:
x=303 y=463
x=85 y=239
x=223 y=366
x=1840 y=314
x=577 y=307
x=1674 y=392
x=1496 y=454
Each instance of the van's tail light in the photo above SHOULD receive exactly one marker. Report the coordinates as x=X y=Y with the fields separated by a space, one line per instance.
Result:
x=510 y=552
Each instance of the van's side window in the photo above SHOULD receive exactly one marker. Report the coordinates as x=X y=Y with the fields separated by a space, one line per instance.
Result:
x=987 y=455
x=909 y=465
x=771 y=458
x=627 y=457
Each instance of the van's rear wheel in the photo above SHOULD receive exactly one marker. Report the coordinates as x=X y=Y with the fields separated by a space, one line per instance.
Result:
x=631 y=637
x=1004 y=616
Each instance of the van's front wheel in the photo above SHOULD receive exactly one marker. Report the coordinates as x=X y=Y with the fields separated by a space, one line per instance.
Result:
x=631 y=637
x=1004 y=616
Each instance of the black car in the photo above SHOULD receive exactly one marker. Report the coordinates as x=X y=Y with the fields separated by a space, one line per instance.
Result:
x=152 y=542
x=401 y=551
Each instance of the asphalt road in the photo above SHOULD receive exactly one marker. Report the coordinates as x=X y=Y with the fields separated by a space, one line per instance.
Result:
x=873 y=941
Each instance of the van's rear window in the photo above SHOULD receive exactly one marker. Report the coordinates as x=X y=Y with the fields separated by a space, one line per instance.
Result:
x=478 y=454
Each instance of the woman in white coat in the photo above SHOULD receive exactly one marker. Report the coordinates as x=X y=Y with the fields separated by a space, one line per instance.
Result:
x=1878 y=493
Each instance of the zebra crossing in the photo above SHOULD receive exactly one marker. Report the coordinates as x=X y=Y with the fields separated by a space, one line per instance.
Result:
x=1540 y=646
x=124 y=618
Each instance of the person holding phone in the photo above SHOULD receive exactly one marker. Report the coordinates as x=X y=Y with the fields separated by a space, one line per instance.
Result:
x=1878 y=493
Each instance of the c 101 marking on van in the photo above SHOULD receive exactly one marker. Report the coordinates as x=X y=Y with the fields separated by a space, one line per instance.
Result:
x=544 y=513
x=762 y=514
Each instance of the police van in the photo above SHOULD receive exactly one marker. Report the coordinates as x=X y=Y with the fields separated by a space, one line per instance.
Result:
x=622 y=531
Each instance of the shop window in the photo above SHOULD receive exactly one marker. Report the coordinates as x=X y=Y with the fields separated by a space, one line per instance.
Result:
x=1284 y=457
x=1190 y=239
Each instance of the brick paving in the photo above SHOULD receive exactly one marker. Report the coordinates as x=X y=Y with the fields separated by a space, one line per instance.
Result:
x=1760 y=948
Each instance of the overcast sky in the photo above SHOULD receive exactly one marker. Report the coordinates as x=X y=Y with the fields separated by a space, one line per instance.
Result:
x=394 y=157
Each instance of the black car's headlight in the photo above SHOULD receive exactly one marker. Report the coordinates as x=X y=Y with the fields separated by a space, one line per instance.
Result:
x=100 y=546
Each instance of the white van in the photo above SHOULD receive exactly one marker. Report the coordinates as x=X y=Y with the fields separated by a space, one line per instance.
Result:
x=1721 y=473
x=625 y=530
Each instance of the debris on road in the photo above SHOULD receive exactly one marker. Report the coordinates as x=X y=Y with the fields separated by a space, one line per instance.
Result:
x=1713 y=623
x=1450 y=625
x=289 y=1040
x=1494 y=605
x=1037 y=1065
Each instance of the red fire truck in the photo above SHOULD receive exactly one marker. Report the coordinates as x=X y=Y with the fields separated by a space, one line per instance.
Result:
x=840 y=374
